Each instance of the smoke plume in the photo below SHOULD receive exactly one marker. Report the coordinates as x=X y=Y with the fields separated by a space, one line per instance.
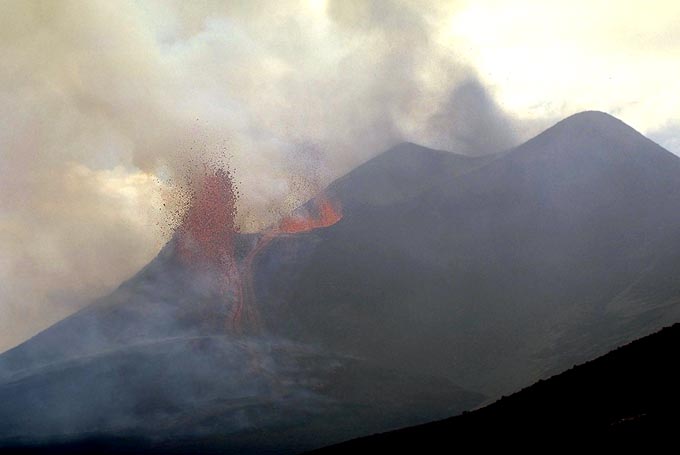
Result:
x=102 y=104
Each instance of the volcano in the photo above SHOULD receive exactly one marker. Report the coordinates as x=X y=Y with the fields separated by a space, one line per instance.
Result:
x=445 y=281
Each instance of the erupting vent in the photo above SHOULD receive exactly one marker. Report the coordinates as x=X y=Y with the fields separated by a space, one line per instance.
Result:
x=207 y=234
x=327 y=215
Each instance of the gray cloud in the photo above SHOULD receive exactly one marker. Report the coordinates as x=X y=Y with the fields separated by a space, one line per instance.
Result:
x=668 y=137
x=471 y=123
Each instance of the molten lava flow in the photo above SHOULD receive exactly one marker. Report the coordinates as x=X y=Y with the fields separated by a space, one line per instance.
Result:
x=327 y=215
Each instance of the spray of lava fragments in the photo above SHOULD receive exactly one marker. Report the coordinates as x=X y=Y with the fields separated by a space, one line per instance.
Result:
x=207 y=236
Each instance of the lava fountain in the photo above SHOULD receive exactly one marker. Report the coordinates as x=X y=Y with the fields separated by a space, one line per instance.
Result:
x=207 y=236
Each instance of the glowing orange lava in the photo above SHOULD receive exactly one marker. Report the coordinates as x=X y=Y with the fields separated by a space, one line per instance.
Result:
x=327 y=215
x=207 y=235
x=207 y=232
x=206 y=238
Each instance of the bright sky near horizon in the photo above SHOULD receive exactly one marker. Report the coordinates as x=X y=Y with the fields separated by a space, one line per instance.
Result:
x=551 y=58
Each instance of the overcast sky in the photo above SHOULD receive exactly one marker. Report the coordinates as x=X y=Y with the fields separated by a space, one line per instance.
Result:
x=101 y=102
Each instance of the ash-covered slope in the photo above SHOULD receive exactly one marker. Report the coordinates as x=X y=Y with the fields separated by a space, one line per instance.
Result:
x=629 y=396
x=494 y=272
x=155 y=367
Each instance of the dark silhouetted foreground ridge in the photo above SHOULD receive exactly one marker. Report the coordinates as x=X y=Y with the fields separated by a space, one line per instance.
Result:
x=630 y=395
